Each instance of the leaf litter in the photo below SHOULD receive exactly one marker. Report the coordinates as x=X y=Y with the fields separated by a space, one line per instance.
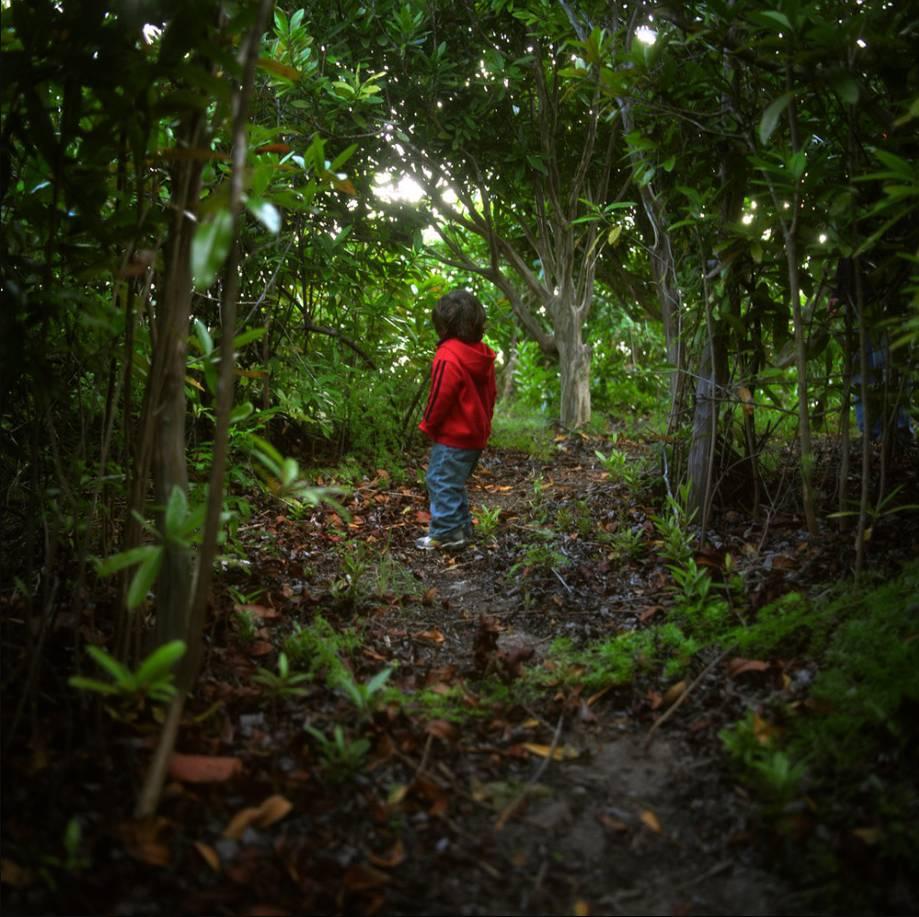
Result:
x=478 y=779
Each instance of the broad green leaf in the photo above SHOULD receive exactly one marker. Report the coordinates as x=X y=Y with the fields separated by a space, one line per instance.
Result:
x=210 y=247
x=90 y=684
x=846 y=88
x=771 y=115
x=777 y=17
x=614 y=234
x=241 y=412
x=378 y=681
x=176 y=511
x=290 y=471
x=266 y=213
x=797 y=163
x=160 y=662
x=120 y=673
x=279 y=69
x=204 y=337
x=144 y=579
x=125 y=559
x=342 y=158
x=537 y=163
x=248 y=336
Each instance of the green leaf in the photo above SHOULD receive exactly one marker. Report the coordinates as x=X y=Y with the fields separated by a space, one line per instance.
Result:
x=266 y=213
x=614 y=234
x=777 y=17
x=537 y=163
x=290 y=471
x=125 y=559
x=144 y=579
x=90 y=684
x=120 y=673
x=797 y=163
x=241 y=412
x=342 y=158
x=771 y=115
x=204 y=337
x=176 y=512
x=248 y=336
x=160 y=662
x=846 y=88
x=378 y=681
x=210 y=247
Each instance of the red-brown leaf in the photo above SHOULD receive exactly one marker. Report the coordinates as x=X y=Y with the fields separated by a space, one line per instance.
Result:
x=203 y=768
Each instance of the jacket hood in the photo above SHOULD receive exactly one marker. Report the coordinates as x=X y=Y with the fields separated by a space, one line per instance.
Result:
x=477 y=359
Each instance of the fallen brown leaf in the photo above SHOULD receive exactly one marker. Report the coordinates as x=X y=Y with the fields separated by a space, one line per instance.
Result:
x=363 y=877
x=203 y=768
x=649 y=819
x=442 y=729
x=15 y=875
x=431 y=636
x=209 y=855
x=559 y=753
x=393 y=857
x=260 y=648
x=142 y=840
x=273 y=809
x=673 y=693
x=738 y=665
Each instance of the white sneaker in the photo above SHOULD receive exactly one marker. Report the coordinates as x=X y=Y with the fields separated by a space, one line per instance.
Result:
x=451 y=541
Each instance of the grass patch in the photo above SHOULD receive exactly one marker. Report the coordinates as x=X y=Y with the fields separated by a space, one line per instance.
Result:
x=523 y=430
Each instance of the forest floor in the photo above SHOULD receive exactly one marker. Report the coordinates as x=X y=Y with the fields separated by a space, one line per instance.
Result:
x=485 y=776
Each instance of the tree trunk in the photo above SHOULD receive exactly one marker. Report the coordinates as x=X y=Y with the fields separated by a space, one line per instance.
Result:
x=574 y=366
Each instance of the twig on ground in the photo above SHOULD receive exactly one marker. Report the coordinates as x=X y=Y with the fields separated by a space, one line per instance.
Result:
x=511 y=808
x=679 y=701
x=562 y=581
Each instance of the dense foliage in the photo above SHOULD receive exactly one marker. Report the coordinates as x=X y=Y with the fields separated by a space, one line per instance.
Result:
x=703 y=213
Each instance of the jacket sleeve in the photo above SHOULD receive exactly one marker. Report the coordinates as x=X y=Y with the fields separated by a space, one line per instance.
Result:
x=445 y=387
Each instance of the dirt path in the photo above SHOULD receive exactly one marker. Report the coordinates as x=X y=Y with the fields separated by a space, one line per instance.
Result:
x=488 y=784
x=623 y=825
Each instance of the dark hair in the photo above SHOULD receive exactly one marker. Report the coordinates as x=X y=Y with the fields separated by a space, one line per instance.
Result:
x=459 y=314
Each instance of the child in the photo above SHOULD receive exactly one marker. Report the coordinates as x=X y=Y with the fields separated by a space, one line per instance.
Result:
x=457 y=416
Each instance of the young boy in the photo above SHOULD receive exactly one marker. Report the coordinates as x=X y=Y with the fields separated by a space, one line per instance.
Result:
x=457 y=416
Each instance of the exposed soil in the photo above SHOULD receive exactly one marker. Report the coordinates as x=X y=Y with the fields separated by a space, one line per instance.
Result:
x=552 y=801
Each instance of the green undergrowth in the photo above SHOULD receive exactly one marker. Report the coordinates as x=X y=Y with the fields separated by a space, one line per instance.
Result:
x=836 y=767
x=519 y=429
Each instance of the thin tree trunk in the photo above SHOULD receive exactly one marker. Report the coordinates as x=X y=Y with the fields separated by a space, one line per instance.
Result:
x=153 y=782
x=867 y=419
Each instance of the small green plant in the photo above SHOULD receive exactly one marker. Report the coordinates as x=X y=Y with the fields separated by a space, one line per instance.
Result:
x=318 y=648
x=486 y=519
x=364 y=695
x=153 y=680
x=673 y=528
x=767 y=769
x=575 y=517
x=74 y=860
x=282 y=684
x=181 y=526
x=539 y=503
x=368 y=570
x=626 y=544
x=246 y=625
x=618 y=466
x=342 y=758
x=539 y=556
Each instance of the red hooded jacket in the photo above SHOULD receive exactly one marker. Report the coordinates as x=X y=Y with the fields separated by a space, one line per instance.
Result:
x=462 y=397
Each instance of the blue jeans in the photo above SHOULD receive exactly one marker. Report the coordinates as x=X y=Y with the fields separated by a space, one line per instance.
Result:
x=448 y=470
